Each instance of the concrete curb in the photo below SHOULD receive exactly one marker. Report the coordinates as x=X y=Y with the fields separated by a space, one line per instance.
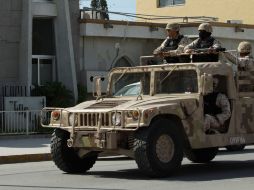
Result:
x=25 y=158
x=32 y=136
x=47 y=157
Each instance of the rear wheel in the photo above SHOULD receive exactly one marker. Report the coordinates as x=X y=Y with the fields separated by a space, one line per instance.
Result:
x=65 y=158
x=235 y=147
x=203 y=155
x=158 y=150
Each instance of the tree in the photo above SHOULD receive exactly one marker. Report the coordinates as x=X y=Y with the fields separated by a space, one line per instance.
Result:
x=95 y=6
x=104 y=8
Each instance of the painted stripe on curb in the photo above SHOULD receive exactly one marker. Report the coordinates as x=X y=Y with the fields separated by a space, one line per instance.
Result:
x=47 y=157
x=25 y=158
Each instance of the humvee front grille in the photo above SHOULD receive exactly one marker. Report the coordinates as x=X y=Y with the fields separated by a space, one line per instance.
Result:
x=94 y=119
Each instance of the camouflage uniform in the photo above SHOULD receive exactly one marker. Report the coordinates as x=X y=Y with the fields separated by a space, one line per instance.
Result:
x=201 y=44
x=172 y=46
x=175 y=46
x=208 y=42
x=243 y=62
x=217 y=121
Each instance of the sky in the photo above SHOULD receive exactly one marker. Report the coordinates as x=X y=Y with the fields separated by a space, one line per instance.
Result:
x=127 y=6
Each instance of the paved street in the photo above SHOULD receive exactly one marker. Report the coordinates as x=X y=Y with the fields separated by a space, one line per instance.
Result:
x=232 y=172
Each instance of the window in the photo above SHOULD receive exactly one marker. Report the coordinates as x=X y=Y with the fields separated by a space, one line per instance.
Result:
x=182 y=81
x=43 y=69
x=164 y=3
x=129 y=84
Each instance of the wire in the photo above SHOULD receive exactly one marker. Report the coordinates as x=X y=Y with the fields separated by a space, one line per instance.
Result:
x=152 y=17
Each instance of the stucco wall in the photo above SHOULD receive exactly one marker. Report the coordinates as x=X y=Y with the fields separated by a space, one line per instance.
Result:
x=223 y=9
x=98 y=45
x=10 y=29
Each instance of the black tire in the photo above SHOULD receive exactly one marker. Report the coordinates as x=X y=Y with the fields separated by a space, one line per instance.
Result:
x=149 y=151
x=65 y=158
x=203 y=155
x=235 y=147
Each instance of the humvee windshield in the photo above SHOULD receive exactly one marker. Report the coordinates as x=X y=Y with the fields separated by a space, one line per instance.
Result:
x=166 y=82
x=180 y=81
x=129 y=84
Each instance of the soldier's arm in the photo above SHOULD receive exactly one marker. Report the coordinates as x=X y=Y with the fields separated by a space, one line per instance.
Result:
x=231 y=57
x=191 y=46
x=223 y=102
x=182 y=44
x=161 y=47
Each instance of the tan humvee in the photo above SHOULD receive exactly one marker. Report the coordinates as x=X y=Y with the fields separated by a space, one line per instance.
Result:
x=154 y=114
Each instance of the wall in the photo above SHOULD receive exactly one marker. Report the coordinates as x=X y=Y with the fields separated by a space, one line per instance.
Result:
x=100 y=40
x=103 y=44
x=10 y=29
x=223 y=9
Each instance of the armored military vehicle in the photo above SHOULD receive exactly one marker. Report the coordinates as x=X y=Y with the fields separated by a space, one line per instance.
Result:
x=158 y=123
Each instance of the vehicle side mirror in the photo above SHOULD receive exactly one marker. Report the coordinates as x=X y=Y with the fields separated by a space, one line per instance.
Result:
x=206 y=84
x=97 y=85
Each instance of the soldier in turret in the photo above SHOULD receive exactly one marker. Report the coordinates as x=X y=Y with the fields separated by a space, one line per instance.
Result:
x=174 y=43
x=244 y=60
x=205 y=40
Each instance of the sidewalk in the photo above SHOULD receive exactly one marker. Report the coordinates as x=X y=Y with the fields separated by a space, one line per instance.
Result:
x=32 y=148
x=16 y=149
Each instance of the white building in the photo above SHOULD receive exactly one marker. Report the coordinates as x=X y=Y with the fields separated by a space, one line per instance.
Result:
x=47 y=40
x=38 y=38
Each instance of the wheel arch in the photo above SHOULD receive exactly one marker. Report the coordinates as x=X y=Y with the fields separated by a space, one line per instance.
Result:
x=178 y=123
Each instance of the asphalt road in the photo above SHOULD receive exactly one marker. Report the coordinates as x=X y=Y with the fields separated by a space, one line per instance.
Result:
x=227 y=171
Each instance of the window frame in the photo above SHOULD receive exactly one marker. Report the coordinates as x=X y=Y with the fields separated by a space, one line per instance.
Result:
x=172 y=5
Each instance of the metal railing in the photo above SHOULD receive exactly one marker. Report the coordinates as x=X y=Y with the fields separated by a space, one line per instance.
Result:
x=20 y=122
x=12 y=90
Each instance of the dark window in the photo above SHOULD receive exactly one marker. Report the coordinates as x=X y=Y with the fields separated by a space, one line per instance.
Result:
x=182 y=81
x=164 y=3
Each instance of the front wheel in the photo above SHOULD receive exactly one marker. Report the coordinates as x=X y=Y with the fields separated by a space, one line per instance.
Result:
x=158 y=150
x=65 y=158
x=202 y=155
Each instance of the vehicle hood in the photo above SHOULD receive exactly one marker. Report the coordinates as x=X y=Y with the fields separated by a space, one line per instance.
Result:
x=129 y=103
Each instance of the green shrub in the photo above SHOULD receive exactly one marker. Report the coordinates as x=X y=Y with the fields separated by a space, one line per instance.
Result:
x=82 y=93
x=57 y=95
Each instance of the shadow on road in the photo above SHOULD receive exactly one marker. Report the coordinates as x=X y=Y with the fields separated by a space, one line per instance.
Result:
x=217 y=170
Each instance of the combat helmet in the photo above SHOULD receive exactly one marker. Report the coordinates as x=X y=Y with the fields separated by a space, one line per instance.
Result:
x=206 y=27
x=173 y=26
x=244 y=47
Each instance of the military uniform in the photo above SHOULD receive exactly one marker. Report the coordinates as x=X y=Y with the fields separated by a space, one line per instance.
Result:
x=201 y=44
x=175 y=46
x=216 y=110
x=205 y=39
x=245 y=61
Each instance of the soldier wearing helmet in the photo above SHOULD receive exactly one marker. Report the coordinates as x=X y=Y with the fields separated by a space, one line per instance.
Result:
x=216 y=108
x=244 y=59
x=173 y=44
x=204 y=41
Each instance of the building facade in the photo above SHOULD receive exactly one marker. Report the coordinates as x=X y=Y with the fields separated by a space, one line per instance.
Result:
x=37 y=44
x=224 y=10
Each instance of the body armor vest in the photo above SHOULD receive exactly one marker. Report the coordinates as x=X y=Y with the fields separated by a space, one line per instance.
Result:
x=205 y=43
x=210 y=106
x=172 y=44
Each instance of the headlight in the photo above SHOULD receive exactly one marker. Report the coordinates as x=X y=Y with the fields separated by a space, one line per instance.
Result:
x=73 y=119
x=55 y=115
x=116 y=119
